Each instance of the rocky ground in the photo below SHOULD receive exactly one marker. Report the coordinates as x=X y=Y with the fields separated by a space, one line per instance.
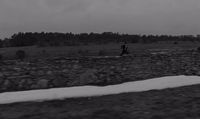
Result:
x=65 y=72
x=177 y=103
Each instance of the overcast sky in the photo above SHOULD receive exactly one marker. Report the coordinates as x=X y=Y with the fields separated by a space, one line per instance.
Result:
x=124 y=16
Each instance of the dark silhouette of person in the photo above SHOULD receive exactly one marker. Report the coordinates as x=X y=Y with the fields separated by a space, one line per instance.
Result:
x=124 y=49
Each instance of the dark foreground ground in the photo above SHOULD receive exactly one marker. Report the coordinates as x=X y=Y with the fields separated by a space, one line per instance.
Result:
x=178 y=103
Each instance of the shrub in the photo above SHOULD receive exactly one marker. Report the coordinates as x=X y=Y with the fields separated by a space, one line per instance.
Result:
x=44 y=51
x=71 y=53
x=175 y=43
x=102 y=52
x=83 y=52
x=20 y=54
x=198 y=49
x=1 y=57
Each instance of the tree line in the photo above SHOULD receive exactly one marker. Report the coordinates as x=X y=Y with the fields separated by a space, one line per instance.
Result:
x=70 y=39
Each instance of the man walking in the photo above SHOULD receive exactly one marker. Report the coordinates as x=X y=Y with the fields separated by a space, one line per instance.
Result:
x=124 y=49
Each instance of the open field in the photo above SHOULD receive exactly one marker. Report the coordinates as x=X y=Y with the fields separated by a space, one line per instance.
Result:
x=63 y=72
x=91 y=50
x=55 y=72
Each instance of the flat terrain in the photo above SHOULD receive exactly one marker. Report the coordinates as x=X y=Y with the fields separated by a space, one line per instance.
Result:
x=178 y=103
x=92 y=50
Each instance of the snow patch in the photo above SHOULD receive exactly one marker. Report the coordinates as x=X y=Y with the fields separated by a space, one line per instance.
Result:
x=88 y=91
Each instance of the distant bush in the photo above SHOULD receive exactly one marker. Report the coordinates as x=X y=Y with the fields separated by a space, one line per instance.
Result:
x=44 y=51
x=175 y=43
x=45 y=39
x=20 y=54
x=1 y=57
x=71 y=53
x=198 y=49
x=83 y=52
x=102 y=52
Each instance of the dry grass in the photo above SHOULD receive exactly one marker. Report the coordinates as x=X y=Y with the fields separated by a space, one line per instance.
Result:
x=110 y=49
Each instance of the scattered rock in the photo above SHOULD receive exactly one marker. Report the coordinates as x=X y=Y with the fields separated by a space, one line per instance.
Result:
x=40 y=73
x=88 y=77
x=65 y=70
x=59 y=82
x=76 y=66
x=1 y=75
x=45 y=73
x=198 y=73
x=49 y=72
x=6 y=85
x=43 y=83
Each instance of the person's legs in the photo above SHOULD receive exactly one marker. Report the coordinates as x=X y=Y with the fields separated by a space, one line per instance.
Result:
x=122 y=53
x=125 y=51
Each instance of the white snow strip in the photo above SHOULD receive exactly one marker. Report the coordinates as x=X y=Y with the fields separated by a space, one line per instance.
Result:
x=155 y=53
x=99 y=57
x=88 y=91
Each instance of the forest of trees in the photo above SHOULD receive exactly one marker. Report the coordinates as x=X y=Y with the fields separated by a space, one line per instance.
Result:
x=69 y=39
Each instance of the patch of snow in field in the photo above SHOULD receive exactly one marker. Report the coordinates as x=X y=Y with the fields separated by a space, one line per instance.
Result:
x=155 y=53
x=88 y=91
x=99 y=57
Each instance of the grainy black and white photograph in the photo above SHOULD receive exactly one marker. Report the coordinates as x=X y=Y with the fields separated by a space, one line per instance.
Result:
x=99 y=59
